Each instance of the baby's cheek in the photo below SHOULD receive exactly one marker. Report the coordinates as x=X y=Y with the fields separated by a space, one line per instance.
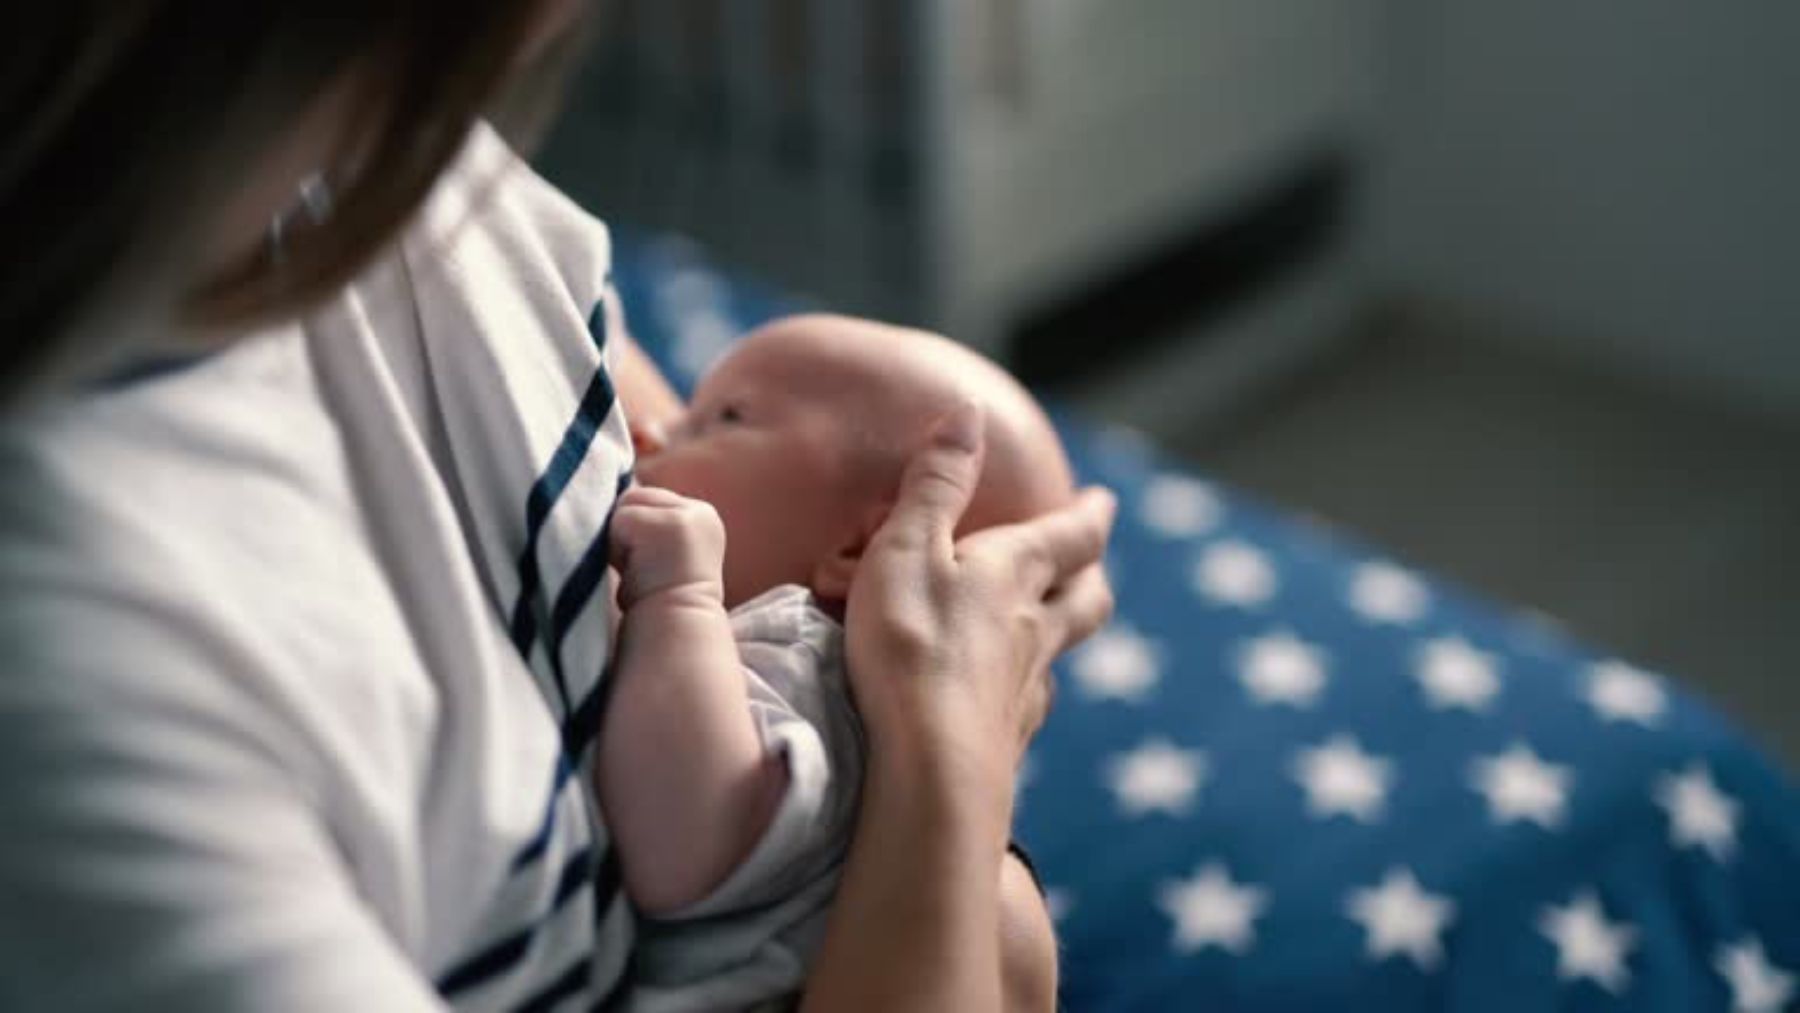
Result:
x=667 y=470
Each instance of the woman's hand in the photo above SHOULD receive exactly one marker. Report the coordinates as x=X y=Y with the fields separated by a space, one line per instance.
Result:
x=949 y=650
x=950 y=642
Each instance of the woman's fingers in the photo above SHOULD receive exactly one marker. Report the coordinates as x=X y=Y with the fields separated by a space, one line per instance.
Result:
x=1081 y=606
x=1048 y=551
x=937 y=486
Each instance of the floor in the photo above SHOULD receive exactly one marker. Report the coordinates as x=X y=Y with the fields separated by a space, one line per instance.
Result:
x=1667 y=531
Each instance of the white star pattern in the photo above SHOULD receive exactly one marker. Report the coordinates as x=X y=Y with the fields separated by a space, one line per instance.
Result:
x=1212 y=910
x=1456 y=675
x=1280 y=668
x=1618 y=692
x=1234 y=573
x=1116 y=663
x=1384 y=593
x=1587 y=945
x=1757 y=986
x=1400 y=917
x=1520 y=786
x=1342 y=780
x=1178 y=506
x=1156 y=776
x=1700 y=815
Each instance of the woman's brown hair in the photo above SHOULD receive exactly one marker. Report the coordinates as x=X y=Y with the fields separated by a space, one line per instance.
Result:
x=129 y=122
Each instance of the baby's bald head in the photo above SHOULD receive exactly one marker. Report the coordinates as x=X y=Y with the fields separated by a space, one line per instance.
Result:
x=800 y=435
x=892 y=384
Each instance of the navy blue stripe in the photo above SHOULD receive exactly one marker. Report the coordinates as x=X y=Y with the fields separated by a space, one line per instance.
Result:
x=524 y=623
x=539 y=840
x=607 y=881
x=502 y=955
x=486 y=964
x=580 y=722
x=596 y=403
x=585 y=578
x=615 y=996
x=577 y=873
x=620 y=990
x=583 y=723
x=570 y=982
x=149 y=368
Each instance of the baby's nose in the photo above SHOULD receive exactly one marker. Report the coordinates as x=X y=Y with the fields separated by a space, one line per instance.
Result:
x=648 y=438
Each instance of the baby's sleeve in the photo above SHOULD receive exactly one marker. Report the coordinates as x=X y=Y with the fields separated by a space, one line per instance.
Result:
x=793 y=666
x=754 y=935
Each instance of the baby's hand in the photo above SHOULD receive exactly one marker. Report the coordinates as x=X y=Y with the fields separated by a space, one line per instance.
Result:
x=665 y=544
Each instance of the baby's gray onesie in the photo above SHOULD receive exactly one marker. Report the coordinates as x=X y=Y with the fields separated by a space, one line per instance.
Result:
x=748 y=944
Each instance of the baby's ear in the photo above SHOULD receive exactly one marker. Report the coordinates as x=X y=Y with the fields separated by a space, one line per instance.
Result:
x=832 y=577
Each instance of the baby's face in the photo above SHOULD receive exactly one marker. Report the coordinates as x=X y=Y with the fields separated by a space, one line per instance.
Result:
x=764 y=441
x=798 y=438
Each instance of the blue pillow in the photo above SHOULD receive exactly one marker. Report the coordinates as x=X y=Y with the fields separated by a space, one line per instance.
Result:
x=1295 y=775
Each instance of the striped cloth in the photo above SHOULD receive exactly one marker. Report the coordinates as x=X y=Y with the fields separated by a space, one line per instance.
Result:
x=304 y=645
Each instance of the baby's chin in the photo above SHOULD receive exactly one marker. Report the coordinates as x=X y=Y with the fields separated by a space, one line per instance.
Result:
x=646 y=472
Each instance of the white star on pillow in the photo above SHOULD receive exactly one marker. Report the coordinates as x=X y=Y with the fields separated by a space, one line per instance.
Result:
x=1341 y=780
x=1588 y=946
x=1156 y=777
x=1700 y=815
x=1400 y=918
x=1117 y=663
x=1757 y=985
x=1618 y=692
x=1454 y=675
x=1210 y=909
x=1280 y=668
x=1384 y=593
x=1519 y=786
x=1177 y=506
x=1236 y=573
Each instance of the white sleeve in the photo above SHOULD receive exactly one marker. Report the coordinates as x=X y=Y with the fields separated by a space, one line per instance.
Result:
x=160 y=847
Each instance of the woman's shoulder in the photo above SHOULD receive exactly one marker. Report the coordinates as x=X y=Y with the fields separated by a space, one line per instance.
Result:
x=491 y=203
x=206 y=509
x=153 y=457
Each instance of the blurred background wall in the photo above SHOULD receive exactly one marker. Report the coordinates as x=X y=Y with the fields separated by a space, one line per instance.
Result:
x=1617 y=180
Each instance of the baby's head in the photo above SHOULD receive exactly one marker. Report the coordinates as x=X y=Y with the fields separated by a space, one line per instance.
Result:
x=800 y=434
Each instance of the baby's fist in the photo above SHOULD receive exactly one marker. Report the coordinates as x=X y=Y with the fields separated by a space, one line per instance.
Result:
x=664 y=542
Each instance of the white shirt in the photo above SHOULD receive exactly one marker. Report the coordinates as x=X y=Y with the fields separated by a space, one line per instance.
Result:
x=266 y=741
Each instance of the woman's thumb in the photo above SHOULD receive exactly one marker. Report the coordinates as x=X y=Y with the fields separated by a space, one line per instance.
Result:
x=940 y=480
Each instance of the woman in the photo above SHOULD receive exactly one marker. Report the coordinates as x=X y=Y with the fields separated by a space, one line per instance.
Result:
x=301 y=619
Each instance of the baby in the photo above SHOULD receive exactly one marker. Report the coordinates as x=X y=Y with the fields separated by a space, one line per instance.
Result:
x=732 y=756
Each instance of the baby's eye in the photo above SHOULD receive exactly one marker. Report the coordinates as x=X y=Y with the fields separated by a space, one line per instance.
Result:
x=730 y=414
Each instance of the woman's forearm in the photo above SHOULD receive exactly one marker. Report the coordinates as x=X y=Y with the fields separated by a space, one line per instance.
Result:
x=916 y=922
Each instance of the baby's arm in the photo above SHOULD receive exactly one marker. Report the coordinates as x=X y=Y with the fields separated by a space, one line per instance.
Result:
x=682 y=774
